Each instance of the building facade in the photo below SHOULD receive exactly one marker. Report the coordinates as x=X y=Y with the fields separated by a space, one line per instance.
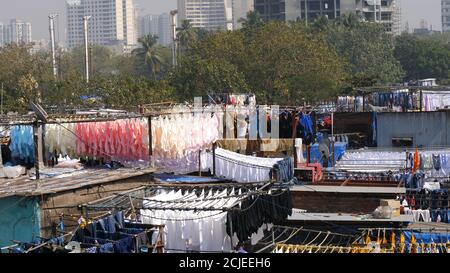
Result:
x=15 y=32
x=156 y=25
x=207 y=14
x=386 y=12
x=2 y=35
x=111 y=22
x=445 y=8
x=240 y=8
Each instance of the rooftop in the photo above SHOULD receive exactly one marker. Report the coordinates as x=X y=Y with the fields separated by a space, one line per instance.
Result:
x=27 y=186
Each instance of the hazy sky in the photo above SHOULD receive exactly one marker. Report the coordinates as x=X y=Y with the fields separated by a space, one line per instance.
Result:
x=36 y=12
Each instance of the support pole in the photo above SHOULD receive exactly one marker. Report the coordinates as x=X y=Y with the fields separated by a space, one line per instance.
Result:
x=421 y=100
x=173 y=15
x=36 y=150
x=51 y=18
x=86 y=46
x=332 y=138
x=200 y=163
x=150 y=140
x=214 y=158
x=295 y=154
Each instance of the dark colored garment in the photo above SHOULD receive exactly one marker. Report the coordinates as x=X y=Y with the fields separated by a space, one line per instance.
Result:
x=285 y=170
x=119 y=218
x=110 y=224
x=437 y=162
x=285 y=125
x=6 y=154
x=102 y=224
x=124 y=245
x=259 y=210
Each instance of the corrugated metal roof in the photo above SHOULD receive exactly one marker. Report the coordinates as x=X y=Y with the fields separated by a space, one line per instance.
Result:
x=26 y=186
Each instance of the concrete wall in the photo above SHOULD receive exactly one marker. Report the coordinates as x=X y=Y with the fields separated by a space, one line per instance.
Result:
x=19 y=219
x=427 y=128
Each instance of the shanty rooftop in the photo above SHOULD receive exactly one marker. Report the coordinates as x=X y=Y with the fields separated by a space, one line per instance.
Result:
x=28 y=186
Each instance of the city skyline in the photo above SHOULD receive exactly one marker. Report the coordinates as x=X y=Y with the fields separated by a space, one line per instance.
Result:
x=414 y=11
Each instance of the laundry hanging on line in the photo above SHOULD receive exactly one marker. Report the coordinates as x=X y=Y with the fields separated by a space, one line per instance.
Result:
x=22 y=145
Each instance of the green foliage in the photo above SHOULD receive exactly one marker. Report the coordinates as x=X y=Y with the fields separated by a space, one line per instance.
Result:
x=155 y=58
x=366 y=48
x=427 y=57
x=280 y=63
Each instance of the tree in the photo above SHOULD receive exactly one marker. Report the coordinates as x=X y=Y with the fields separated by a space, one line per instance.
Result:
x=25 y=76
x=280 y=63
x=186 y=35
x=365 y=47
x=423 y=57
x=151 y=54
x=251 y=23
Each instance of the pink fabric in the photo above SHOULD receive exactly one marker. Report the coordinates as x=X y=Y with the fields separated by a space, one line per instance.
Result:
x=120 y=140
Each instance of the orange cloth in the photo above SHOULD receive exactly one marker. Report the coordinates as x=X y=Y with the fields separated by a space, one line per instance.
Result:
x=416 y=161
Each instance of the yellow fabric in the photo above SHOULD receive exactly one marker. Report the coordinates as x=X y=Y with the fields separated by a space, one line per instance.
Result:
x=413 y=244
x=393 y=241
x=384 y=241
x=402 y=243
x=367 y=240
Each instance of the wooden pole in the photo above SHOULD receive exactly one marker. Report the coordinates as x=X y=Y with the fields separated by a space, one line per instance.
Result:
x=200 y=163
x=214 y=158
x=421 y=99
x=36 y=149
x=295 y=154
x=44 y=153
x=150 y=140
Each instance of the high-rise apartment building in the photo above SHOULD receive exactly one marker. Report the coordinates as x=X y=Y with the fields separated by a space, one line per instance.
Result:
x=156 y=25
x=15 y=32
x=2 y=35
x=111 y=22
x=445 y=9
x=240 y=8
x=207 y=14
x=385 y=12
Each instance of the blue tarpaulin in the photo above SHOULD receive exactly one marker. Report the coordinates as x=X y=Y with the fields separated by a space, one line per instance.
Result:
x=170 y=178
x=339 y=151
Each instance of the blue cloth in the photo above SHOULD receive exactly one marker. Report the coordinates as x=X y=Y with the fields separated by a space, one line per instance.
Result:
x=307 y=124
x=132 y=230
x=426 y=237
x=119 y=218
x=22 y=145
x=102 y=224
x=107 y=248
x=316 y=156
x=285 y=170
x=124 y=245
x=111 y=224
x=91 y=250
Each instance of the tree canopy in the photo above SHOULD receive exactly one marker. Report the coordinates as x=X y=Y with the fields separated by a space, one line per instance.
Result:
x=282 y=63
